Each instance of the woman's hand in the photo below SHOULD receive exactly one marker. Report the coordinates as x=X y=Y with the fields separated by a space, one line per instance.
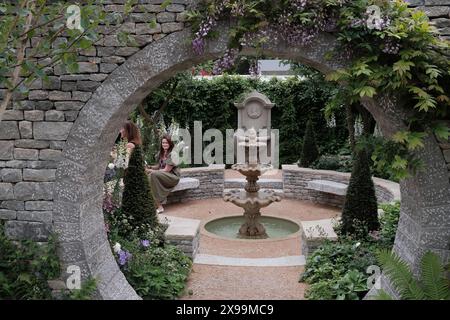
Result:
x=148 y=170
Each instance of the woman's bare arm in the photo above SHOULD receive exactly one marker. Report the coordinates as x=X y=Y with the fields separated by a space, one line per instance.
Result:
x=168 y=168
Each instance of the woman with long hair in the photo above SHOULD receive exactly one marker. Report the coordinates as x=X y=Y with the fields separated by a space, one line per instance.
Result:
x=131 y=133
x=165 y=175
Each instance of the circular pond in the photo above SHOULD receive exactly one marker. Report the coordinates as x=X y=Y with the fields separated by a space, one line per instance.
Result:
x=229 y=227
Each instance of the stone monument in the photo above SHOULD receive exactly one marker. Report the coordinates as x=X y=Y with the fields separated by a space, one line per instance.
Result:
x=253 y=118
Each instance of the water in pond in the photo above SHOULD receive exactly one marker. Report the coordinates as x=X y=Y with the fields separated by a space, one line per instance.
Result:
x=229 y=227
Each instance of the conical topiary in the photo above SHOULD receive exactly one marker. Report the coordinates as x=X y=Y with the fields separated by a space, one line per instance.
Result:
x=310 y=153
x=360 y=212
x=137 y=201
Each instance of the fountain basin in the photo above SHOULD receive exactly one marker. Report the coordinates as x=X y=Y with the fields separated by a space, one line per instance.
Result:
x=228 y=227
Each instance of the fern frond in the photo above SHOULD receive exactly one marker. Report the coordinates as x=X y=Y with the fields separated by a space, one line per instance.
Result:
x=382 y=295
x=400 y=276
x=432 y=277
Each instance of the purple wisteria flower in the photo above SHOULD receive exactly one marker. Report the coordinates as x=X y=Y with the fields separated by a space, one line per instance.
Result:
x=225 y=62
x=145 y=243
x=124 y=257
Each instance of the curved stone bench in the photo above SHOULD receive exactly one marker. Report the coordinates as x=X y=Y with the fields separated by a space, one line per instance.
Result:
x=198 y=183
x=186 y=184
x=327 y=187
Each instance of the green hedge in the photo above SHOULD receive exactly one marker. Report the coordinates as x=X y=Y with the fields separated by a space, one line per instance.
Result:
x=212 y=102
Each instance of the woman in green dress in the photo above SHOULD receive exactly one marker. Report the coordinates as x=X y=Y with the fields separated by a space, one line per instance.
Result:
x=165 y=175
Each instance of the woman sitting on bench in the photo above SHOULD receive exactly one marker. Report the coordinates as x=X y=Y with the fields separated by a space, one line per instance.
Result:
x=165 y=175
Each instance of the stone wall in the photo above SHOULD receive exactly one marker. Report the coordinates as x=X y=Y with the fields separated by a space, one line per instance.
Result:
x=439 y=13
x=295 y=181
x=211 y=184
x=35 y=127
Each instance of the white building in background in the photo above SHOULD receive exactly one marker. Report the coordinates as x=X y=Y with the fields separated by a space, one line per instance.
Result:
x=268 y=69
x=274 y=67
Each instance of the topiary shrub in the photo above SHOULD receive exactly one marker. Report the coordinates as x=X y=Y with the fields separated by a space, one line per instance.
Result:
x=137 y=202
x=360 y=214
x=310 y=153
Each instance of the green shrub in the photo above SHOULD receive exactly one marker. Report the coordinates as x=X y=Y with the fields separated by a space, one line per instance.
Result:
x=337 y=270
x=333 y=162
x=138 y=208
x=360 y=212
x=25 y=267
x=351 y=286
x=310 y=153
x=389 y=222
x=156 y=271
x=159 y=273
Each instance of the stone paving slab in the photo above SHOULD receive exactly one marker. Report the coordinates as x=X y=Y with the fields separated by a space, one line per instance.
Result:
x=287 y=261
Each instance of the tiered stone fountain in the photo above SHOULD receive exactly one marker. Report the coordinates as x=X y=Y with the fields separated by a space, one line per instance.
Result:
x=253 y=116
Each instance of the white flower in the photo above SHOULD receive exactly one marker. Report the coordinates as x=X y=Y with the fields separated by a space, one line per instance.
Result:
x=121 y=162
x=117 y=247
x=357 y=245
x=111 y=166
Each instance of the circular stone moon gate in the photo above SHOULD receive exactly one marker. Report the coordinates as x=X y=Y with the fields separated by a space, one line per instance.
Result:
x=54 y=146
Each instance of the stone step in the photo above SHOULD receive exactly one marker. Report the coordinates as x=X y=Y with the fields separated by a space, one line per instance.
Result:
x=183 y=233
x=286 y=261
x=239 y=183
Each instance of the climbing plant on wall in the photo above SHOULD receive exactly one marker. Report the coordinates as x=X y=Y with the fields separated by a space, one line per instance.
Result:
x=394 y=51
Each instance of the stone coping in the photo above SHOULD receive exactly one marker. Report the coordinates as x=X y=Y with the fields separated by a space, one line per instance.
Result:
x=390 y=186
x=312 y=229
x=210 y=168
x=286 y=261
x=328 y=186
x=180 y=228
